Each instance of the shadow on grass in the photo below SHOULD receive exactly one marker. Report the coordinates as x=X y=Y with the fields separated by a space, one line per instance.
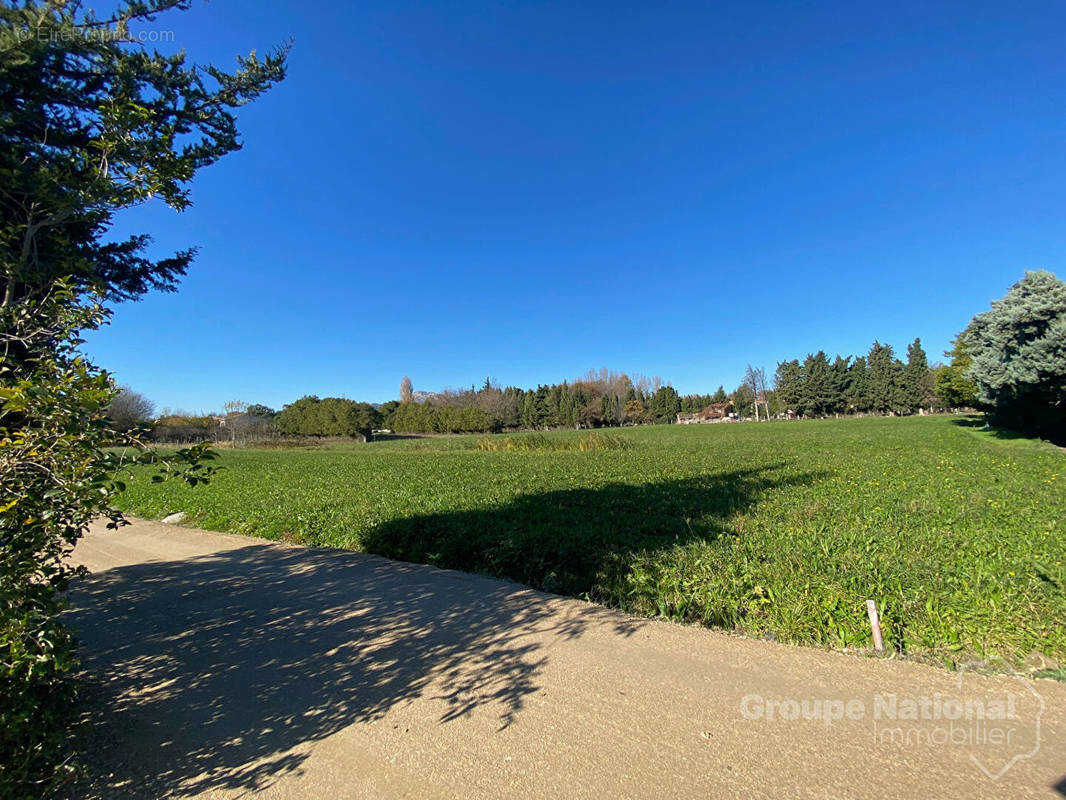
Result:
x=567 y=541
x=214 y=673
x=980 y=422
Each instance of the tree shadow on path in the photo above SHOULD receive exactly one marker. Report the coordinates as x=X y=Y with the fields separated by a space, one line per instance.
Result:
x=207 y=672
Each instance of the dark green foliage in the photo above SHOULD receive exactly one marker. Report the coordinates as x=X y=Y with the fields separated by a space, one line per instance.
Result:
x=387 y=412
x=1018 y=352
x=877 y=382
x=743 y=400
x=839 y=385
x=330 y=416
x=664 y=405
x=468 y=419
x=788 y=383
x=55 y=478
x=857 y=389
x=258 y=411
x=817 y=395
x=692 y=403
x=885 y=390
x=91 y=123
x=917 y=380
x=600 y=399
x=94 y=123
x=424 y=418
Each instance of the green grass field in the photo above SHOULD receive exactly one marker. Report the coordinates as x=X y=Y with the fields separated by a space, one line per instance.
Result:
x=782 y=529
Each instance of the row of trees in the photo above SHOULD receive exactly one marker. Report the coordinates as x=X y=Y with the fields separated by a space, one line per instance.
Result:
x=603 y=398
x=876 y=383
x=600 y=398
x=1009 y=361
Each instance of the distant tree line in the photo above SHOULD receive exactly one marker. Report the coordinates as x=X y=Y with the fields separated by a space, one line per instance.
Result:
x=1010 y=361
x=877 y=383
x=599 y=399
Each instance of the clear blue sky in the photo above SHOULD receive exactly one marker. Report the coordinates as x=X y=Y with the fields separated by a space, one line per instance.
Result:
x=525 y=191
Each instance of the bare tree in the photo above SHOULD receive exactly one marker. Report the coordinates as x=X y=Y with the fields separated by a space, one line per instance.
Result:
x=753 y=384
x=755 y=379
x=235 y=420
x=407 y=391
x=760 y=379
x=130 y=408
x=611 y=384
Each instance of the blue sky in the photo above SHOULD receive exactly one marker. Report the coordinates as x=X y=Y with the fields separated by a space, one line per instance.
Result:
x=525 y=191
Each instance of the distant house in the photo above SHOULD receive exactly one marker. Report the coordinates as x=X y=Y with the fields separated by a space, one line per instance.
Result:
x=715 y=412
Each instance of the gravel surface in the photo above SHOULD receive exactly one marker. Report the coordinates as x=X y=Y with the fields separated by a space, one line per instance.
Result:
x=224 y=666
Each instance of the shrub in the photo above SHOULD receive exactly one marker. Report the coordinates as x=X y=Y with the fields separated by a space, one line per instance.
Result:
x=330 y=416
x=56 y=476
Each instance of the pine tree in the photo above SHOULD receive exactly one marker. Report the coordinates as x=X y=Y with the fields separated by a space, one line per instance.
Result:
x=743 y=400
x=1019 y=356
x=529 y=413
x=664 y=405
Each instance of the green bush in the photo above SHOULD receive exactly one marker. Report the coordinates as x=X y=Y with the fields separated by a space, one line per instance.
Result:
x=53 y=477
x=102 y=124
x=56 y=476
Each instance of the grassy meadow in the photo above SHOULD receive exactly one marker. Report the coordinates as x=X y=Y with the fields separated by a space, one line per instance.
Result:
x=780 y=529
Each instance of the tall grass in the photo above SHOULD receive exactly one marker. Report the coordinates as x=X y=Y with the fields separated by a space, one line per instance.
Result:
x=539 y=441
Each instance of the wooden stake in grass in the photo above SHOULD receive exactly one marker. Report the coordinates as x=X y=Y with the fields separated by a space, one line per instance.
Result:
x=875 y=624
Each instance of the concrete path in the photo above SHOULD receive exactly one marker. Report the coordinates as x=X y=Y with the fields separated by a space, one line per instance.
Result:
x=224 y=666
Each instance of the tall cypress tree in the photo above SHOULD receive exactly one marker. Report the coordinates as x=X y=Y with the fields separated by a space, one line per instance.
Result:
x=915 y=376
x=817 y=392
x=787 y=384
x=857 y=393
x=885 y=380
x=839 y=379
